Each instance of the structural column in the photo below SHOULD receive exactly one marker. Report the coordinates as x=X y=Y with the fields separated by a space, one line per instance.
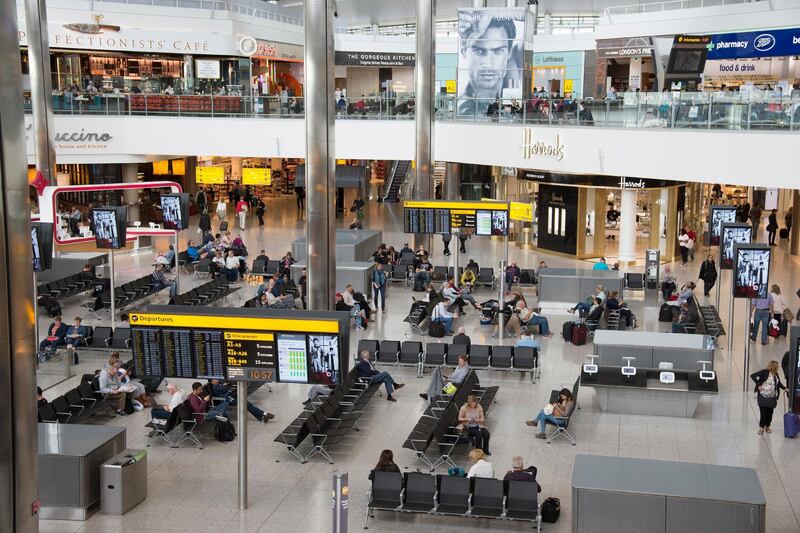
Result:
x=18 y=428
x=320 y=163
x=424 y=112
x=794 y=234
x=41 y=88
x=130 y=174
x=452 y=181
x=188 y=74
x=627 y=226
x=478 y=3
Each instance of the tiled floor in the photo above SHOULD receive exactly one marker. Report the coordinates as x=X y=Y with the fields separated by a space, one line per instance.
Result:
x=195 y=490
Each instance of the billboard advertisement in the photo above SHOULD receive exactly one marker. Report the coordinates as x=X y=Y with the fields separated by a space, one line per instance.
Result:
x=730 y=236
x=719 y=214
x=751 y=270
x=491 y=42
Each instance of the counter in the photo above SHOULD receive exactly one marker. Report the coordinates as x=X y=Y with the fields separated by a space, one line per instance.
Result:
x=356 y=273
x=567 y=286
x=351 y=245
x=650 y=348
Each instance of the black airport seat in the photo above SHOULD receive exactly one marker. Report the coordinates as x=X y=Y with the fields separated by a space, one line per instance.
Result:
x=502 y=356
x=525 y=358
x=369 y=345
x=439 y=273
x=453 y=497
x=522 y=500
x=121 y=340
x=388 y=351
x=259 y=267
x=434 y=354
x=410 y=353
x=454 y=351
x=487 y=497
x=420 y=491
x=386 y=490
x=479 y=355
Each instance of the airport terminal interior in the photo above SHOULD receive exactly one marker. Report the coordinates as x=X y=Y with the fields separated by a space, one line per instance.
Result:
x=420 y=265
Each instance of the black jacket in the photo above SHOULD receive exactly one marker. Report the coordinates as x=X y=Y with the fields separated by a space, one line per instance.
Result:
x=708 y=271
x=761 y=376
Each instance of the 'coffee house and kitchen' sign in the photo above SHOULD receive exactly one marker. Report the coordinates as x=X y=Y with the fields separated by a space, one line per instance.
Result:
x=374 y=59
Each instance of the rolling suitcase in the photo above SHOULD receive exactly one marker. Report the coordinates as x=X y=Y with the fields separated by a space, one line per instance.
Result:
x=665 y=313
x=566 y=331
x=579 y=332
x=223 y=226
x=784 y=233
x=791 y=425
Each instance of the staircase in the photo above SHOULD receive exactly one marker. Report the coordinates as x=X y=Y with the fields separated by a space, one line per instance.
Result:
x=397 y=176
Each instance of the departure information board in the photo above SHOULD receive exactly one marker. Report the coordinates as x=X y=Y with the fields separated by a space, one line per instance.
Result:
x=282 y=347
x=441 y=217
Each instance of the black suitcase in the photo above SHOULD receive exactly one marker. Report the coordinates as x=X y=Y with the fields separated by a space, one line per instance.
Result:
x=223 y=226
x=782 y=328
x=665 y=313
x=566 y=331
x=436 y=329
x=784 y=233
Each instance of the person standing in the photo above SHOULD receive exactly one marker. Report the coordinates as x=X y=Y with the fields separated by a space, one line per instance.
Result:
x=379 y=286
x=241 y=212
x=358 y=208
x=261 y=208
x=205 y=221
x=778 y=303
x=462 y=240
x=222 y=210
x=708 y=273
x=767 y=389
x=772 y=226
x=755 y=219
x=472 y=422
x=761 y=311
x=446 y=238
x=787 y=219
x=683 y=242
x=300 y=193
x=201 y=199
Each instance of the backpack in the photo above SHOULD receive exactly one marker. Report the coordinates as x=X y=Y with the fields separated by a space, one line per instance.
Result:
x=551 y=509
x=665 y=313
x=525 y=277
x=436 y=329
x=224 y=431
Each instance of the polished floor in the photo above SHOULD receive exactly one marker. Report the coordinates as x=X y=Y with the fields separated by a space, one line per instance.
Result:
x=195 y=490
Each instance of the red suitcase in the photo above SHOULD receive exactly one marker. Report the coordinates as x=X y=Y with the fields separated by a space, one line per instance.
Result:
x=579 y=332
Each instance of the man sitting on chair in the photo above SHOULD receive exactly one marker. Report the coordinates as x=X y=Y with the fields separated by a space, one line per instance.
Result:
x=366 y=370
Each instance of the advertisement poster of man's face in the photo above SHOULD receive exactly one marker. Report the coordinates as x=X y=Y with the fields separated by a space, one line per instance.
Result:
x=324 y=351
x=752 y=273
x=730 y=238
x=720 y=214
x=490 y=51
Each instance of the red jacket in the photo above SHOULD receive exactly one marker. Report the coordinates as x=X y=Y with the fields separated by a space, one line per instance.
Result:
x=241 y=206
x=198 y=406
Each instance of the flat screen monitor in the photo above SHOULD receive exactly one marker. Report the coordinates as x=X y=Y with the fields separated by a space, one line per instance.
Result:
x=731 y=235
x=109 y=226
x=42 y=246
x=720 y=214
x=751 y=271
x=175 y=211
x=483 y=223
x=500 y=223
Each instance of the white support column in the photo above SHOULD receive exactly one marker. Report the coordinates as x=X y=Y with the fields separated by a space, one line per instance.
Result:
x=130 y=174
x=627 y=226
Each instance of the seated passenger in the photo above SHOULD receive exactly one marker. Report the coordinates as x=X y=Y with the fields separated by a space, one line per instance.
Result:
x=351 y=297
x=462 y=337
x=526 y=340
x=217 y=264
x=440 y=315
x=687 y=292
x=88 y=274
x=472 y=265
x=586 y=305
x=76 y=336
x=356 y=224
x=468 y=278
x=614 y=303
x=557 y=409
x=422 y=274
x=200 y=406
x=160 y=281
x=111 y=384
x=512 y=274
x=56 y=334
x=366 y=370
x=176 y=397
x=218 y=390
x=518 y=472
x=284 y=301
x=193 y=252
x=668 y=285
x=385 y=464
x=452 y=296
x=471 y=419
x=529 y=317
x=595 y=314
x=262 y=256
x=460 y=373
x=687 y=317
x=480 y=466
x=601 y=265
x=232 y=265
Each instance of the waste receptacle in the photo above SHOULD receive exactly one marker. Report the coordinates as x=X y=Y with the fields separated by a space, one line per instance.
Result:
x=123 y=482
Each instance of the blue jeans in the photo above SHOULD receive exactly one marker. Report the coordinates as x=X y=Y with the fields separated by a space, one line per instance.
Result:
x=761 y=316
x=379 y=291
x=544 y=327
x=218 y=410
x=448 y=323
x=583 y=306
x=542 y=418
x=221 y=392
x=160 y=412
x=386 y=379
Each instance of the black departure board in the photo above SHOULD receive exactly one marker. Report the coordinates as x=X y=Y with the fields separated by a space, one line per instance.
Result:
x=177 y=346
x=208 y=353
x=442 y=217
x=250 y=355
x=147 y=354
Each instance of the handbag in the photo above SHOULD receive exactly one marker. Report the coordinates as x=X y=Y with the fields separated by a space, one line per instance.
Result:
x=788 y=316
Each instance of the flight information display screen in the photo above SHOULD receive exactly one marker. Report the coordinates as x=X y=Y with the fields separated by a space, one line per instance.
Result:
x=248 y=348
x=442 y=217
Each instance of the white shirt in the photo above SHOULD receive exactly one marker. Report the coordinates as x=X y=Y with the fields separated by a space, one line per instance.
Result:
x=232 y=263
x=221 y=206
x=347 y=298
x=482 y=468
x=683 y=239
x=778 y=305
x=440 y=311
x=178 y=398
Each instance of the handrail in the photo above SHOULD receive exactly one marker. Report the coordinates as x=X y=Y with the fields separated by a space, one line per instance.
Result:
x=669 y=5
x=260 y=10
x=730 y=111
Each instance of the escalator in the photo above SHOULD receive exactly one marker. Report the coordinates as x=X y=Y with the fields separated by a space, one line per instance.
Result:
x=399 y=172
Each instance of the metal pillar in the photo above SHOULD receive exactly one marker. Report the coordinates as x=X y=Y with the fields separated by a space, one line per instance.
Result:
x=452 y=181
x=130 y=174
x=478 y=3
x=113 y=297
x=794 y=234
x=731 y=310
x=177 y=266
x=424 y=112
x=41 y=87
x=320 y=164
x=19 y=486
x=501 y=320
x=746 y=367
x=241 y=414
x=627 y=226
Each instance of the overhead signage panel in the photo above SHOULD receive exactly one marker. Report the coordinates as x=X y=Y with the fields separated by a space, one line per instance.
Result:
x=442 y=217
x=751 y=44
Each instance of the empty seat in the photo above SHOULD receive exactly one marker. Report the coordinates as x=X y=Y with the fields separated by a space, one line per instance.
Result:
x=420 y=492
x=388 y=351
x=121 y=339
x=479 y=355
x=522 y=500
x=453 y=497
x=386 y=489
x=434 y=354
x=410 y=353
x=454 y=351
x=487 y=497
x=525 y=358
x=502 y=356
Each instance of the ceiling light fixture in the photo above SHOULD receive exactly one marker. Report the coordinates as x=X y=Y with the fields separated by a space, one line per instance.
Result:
x=273 y=2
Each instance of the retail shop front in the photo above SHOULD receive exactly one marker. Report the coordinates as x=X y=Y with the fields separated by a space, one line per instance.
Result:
x=578 y=215
x=277 y=66
x=373 y=75
x=560 y=73
x=626 y=64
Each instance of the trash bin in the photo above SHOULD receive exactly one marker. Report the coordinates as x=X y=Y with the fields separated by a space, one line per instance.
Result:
x=123 y=481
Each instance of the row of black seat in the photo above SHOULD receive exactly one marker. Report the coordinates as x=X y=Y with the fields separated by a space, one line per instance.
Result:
x=410 y=353
x=439 y=420
x=104 y=338
x=415 y=492
x=709 y=322
x=66 y=286
x=205 y=294
x=330 y=421
x=124 y=295
x=83 y=401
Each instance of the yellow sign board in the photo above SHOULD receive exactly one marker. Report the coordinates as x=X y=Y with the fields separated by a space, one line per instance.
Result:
x=210 y=175
x=161 y=168
x=567 y=86
x=450 y=86
x=248 y=336
x=444 y=204
x=256 y=176
x=234 y=323
x=521 y=211
x=341 y=161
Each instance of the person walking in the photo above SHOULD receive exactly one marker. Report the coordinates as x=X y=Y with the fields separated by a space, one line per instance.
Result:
x=462 y=241
x=772 y=226
x=755 y=219
x=358 y=208
x=683 y=242
x=260 y=210
x=201 y=199
x=222 y=210
x=205 y=221
x=708 y=273
x=300 y=193
x=761 y=311
x=768 y=388
x=241 y=212
x=379 y=286
x=779 y=306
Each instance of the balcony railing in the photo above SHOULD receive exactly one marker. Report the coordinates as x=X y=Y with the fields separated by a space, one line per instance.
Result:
x=731 y=111
x=669 y=5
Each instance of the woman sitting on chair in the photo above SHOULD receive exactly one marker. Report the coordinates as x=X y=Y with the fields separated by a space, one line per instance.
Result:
x=551 y=412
